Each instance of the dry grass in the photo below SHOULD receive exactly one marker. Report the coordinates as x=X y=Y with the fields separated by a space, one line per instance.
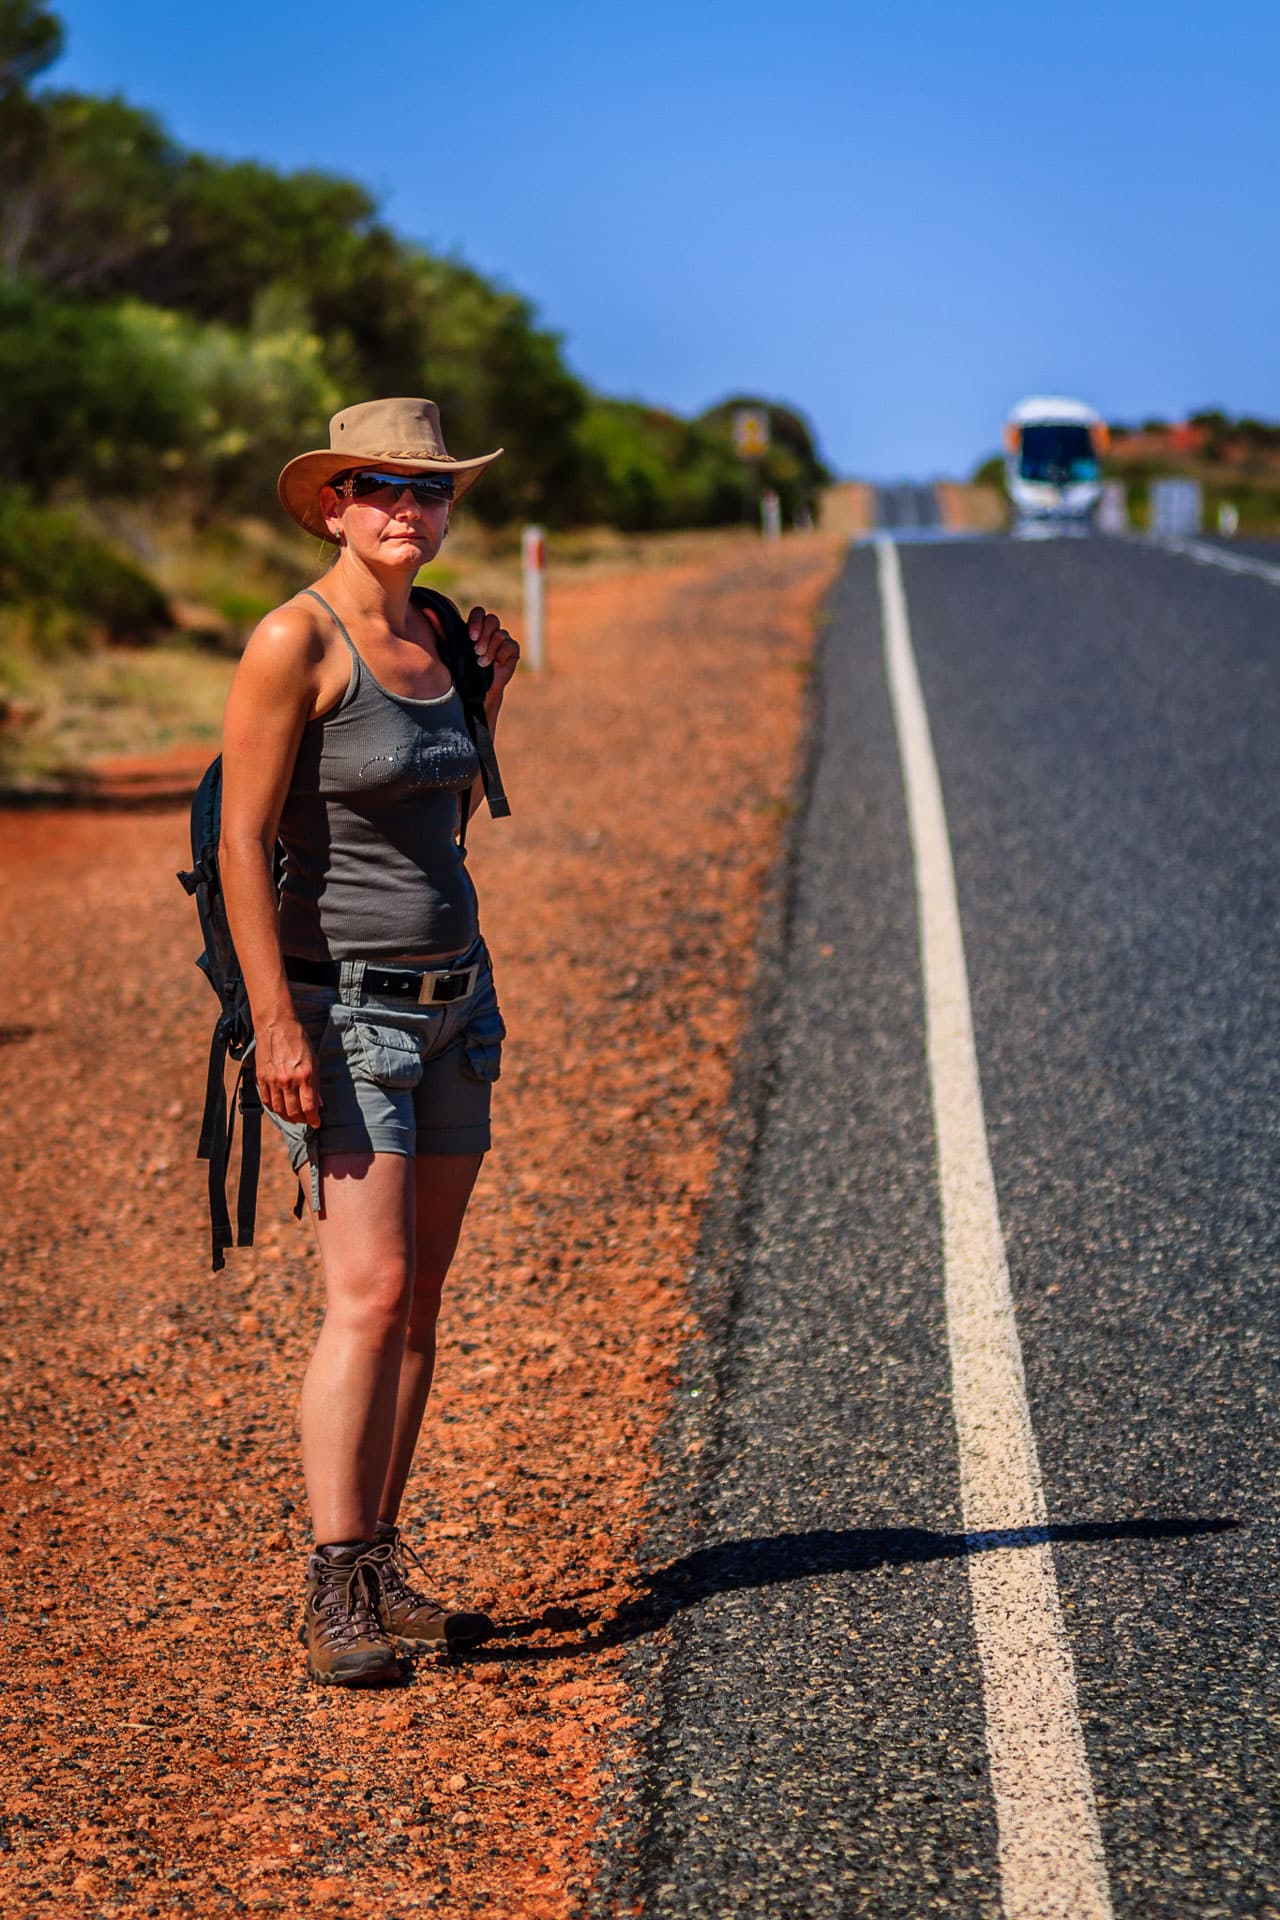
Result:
x=69 y=713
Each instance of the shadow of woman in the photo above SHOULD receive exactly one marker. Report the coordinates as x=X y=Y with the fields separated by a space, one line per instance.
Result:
x=780 y=1558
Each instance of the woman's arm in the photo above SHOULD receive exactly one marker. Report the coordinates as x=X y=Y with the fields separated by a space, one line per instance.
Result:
x=272 y=697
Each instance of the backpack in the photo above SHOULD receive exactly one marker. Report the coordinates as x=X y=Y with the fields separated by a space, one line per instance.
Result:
x=233 y=1029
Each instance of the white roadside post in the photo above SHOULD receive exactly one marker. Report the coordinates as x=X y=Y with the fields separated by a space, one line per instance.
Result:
x=770 y=515
x=1113 y=508
x=534 y=554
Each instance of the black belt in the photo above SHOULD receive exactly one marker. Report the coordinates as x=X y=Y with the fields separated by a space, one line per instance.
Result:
x=432 y=986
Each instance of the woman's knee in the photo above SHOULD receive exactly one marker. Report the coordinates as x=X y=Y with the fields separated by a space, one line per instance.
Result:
x=373 y=1303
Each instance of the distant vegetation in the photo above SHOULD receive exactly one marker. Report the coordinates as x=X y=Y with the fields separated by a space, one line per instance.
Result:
x=1236 y=461
x=173 y=327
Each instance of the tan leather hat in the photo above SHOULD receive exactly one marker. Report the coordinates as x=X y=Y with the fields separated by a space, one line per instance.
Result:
x=401 y=435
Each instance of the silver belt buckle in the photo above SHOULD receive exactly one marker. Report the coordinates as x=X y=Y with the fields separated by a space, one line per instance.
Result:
x=427 y=991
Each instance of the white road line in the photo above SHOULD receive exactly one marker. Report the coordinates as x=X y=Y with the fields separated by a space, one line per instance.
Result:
x=1051 y=1859
x=1218 y=557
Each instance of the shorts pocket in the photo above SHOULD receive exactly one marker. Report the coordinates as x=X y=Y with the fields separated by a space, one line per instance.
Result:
x=485 y=1032
x=388 y=1056
x=314 y=1007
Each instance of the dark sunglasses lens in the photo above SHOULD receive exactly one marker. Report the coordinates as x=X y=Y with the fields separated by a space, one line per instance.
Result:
x=364 y=486
x=425 y=488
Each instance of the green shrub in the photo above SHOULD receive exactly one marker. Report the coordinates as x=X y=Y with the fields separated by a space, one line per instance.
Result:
x=74 y=587
x=791 y=467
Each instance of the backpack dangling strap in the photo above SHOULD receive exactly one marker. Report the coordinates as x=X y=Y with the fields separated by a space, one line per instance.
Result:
x=250 y=1155
x=217 y=1136
x=499 y=805
x=213 y=1121
x=215 y=1146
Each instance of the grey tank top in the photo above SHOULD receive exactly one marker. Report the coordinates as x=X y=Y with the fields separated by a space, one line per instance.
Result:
x=372 y=867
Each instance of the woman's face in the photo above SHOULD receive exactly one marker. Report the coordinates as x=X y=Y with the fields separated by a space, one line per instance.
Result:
x=388 y=526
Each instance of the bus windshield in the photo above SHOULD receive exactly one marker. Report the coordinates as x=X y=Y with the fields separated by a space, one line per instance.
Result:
x=1057 y=453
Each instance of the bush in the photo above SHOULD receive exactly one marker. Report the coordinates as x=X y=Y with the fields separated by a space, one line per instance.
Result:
x=646 y=470
x=74 y=587
x=127 y=401
x=88 y=408
x=250 y=399
x=791 y=467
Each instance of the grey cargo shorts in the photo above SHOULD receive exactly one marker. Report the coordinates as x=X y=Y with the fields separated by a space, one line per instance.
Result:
x=396 y=1077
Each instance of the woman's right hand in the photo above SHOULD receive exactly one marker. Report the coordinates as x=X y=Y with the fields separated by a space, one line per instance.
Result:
x=288 y=1076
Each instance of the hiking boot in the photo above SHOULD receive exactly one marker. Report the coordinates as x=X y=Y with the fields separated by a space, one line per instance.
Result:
x=345 y=1645
x=408 y=1618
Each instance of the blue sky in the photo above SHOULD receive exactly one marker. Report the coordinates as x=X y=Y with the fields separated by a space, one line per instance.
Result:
x=899 y=220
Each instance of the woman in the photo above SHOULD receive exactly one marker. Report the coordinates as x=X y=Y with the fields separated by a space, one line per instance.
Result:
x=377 y=1030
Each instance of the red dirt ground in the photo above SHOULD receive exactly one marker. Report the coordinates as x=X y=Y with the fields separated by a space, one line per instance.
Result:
x=164 y=1752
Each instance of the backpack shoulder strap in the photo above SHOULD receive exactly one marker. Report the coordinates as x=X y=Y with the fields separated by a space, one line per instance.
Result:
x=473 y=682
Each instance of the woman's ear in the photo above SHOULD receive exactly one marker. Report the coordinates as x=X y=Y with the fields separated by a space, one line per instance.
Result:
x=331 y=514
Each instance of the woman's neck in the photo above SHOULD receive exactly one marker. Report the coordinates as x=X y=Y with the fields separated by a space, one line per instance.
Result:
x=373 y=593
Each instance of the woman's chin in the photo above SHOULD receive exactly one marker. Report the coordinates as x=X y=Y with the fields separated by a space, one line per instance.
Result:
x=417 y=547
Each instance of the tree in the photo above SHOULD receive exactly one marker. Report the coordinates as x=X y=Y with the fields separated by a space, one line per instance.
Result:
x=30 y=41
x=791 y=467
x=97 y=194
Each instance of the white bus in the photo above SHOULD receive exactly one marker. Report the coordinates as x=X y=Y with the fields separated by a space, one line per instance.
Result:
x=1053 y=459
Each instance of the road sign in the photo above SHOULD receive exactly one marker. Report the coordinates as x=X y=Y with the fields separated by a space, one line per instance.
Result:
x=1177 y=506
x=751 y=432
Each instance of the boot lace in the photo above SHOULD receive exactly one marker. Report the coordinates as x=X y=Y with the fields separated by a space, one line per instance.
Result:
x=346 y=1600
x=389 y=1557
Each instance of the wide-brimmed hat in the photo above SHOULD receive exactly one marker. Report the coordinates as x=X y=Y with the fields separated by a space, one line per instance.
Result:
x=401 y=435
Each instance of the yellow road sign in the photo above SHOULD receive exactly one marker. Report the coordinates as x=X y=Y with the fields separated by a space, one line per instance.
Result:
x=751 y=432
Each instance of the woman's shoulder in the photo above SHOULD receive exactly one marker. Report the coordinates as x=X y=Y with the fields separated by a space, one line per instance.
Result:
x=293 y=641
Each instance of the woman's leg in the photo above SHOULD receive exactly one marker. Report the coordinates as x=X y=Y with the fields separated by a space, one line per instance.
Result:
x=366 y=1238
x=443 y=1184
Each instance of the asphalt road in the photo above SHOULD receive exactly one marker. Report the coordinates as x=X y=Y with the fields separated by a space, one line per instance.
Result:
x=811 y=1728
x=907 y=507
x=1253 y=547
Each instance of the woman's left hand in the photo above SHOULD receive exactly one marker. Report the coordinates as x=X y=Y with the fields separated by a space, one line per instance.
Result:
x=494 y=648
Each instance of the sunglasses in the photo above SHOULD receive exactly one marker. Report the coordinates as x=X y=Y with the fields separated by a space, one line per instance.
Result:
x=384 y=489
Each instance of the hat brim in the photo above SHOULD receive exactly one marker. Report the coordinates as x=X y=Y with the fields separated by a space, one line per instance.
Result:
x=300 y=482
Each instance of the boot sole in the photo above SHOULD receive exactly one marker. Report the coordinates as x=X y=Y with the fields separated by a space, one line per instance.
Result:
x=446 y=1643
x=373 y=1677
